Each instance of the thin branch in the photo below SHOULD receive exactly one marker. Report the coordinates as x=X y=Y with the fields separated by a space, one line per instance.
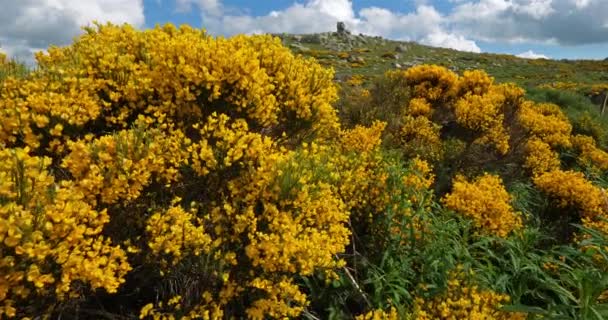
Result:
x=604 y=105
x=354 y=282
x=309 y=315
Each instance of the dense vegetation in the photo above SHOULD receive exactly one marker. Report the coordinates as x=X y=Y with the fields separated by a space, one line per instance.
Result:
x=167 y=174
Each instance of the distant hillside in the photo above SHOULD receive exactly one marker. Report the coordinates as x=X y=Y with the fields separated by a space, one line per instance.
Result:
x=351 y=54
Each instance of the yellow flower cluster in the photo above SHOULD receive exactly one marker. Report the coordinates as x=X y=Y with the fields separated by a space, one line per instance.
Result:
x=362 y=139
x=572 y=189
x=467 y=105
x=379 y=314
x=486 y=202
x=547 y=122
x=475 y=82
x=419 y=180
x=419 y=107
x=208 y=312
x=177 y=232
x=464 y=300
x=540 y=158
x=590 y=154
x=435 y=83
x=484 y=114
x=49 y=236
x=421 y=137
x=356 y=80
x=283 y=295
x=118 y=167
x=423 y=176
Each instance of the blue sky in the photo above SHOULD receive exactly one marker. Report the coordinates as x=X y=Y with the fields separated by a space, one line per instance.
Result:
x=556 y=29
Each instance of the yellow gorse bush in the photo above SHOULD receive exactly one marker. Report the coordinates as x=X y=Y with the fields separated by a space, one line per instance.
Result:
x=436 y=84
x=475 y=82
x=590 y=154
x=471 y=102
x=572 y=189
x=215 y=173
x=546 y=122
x=419 y=107
x=484 y=114
x=464 y=300
x=420 y=136
x=50 y=236
x=115 y=73
x=198 y=131
x=379 y=314
x=486 y=201
x=540 y=158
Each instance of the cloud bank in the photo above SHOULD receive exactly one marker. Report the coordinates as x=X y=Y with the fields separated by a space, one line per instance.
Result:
x=532 y=55
x=32 y=25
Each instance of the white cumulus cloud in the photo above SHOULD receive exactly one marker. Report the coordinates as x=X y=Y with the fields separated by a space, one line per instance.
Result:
x=31 y=25
x=532 y=55
x=425 y=24
x=561 y=22
x=446 y=40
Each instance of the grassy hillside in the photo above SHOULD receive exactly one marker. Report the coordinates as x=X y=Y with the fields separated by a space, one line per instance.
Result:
x=359 y=54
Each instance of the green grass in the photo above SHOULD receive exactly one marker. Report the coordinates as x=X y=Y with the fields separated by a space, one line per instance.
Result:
x=505 y=68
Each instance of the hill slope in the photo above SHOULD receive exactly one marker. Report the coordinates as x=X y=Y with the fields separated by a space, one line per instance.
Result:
x=360 y=54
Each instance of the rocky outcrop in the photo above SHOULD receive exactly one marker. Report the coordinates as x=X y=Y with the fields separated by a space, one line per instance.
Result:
x=341 y=28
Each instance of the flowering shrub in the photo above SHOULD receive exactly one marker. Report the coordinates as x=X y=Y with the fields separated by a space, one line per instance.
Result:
x=421 y=137
x=540 y=158
x=379 y=315
x=464 y=300
x=590 y=154
x=50 y=237
x=572 y=189
x=469 y=107
x=178 y=175
x=483 y=114
x=419 y=107
x=475 y=82
x=546 y=122
x=434 y=83
x=128 y=118
x=486 y=202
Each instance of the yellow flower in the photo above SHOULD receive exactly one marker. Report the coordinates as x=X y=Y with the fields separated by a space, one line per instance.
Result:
x=486 y=201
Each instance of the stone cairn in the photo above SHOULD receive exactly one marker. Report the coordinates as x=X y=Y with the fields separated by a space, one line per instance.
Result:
x=341 y=28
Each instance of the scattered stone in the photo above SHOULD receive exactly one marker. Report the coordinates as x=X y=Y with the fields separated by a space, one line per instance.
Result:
x=311 y=38
x=390 y=55
x=401 y=48
x=299 y=47
x=340 y=77
x=356 y=59
x=397 y=65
